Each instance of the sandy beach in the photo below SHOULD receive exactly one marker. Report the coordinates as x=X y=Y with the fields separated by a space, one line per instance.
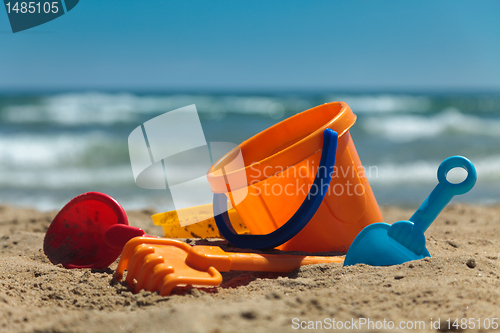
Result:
x=461 y=280
x=284 y=108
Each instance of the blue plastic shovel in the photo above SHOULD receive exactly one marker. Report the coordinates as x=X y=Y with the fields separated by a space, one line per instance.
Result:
x=382 y=244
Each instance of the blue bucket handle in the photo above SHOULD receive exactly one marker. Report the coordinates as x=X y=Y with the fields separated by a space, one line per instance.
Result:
x=301 y=217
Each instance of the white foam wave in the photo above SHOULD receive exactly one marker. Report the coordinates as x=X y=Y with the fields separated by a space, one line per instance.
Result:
x=67 y=178
x=106 y=109
x=72 y=109
x=407 y=128
x=37 y=151
x=384 y=103
x=488 y=170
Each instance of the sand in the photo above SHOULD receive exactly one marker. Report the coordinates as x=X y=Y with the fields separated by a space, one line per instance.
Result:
x=461 y=280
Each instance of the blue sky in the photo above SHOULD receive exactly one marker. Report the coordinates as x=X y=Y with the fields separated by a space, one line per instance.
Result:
x=258 y=45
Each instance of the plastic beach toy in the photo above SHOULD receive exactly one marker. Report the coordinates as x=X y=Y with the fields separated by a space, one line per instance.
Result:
x=301 y=217
x=206 y=228
x=281 y=165
x=156 y=264
x=381 y=244
x=89 y=232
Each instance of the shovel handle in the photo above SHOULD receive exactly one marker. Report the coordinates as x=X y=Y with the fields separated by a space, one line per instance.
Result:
x=276 y=262
x=202 y=257
x=444 y=191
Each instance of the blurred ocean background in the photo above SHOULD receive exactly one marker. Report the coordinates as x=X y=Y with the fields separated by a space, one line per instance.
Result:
x=58 y=145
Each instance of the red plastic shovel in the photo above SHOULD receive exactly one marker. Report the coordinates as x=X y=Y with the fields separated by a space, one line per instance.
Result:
x=89 y=232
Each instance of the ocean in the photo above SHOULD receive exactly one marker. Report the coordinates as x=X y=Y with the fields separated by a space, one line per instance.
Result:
x=55 y=146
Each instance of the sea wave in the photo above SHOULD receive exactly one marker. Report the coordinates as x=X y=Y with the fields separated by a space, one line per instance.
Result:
x=55 y=146
x=384 y=103
x=421 y=171
x=104 y=108
x=86 y=108
x=69 y=160
x=39 y=151
x=405 y=128
x=67 y=178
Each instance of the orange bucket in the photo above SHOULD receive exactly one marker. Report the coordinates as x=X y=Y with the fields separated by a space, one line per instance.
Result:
x=280 y=165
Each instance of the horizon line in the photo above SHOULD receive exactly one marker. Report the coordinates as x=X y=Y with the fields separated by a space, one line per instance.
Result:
x=249 y=90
